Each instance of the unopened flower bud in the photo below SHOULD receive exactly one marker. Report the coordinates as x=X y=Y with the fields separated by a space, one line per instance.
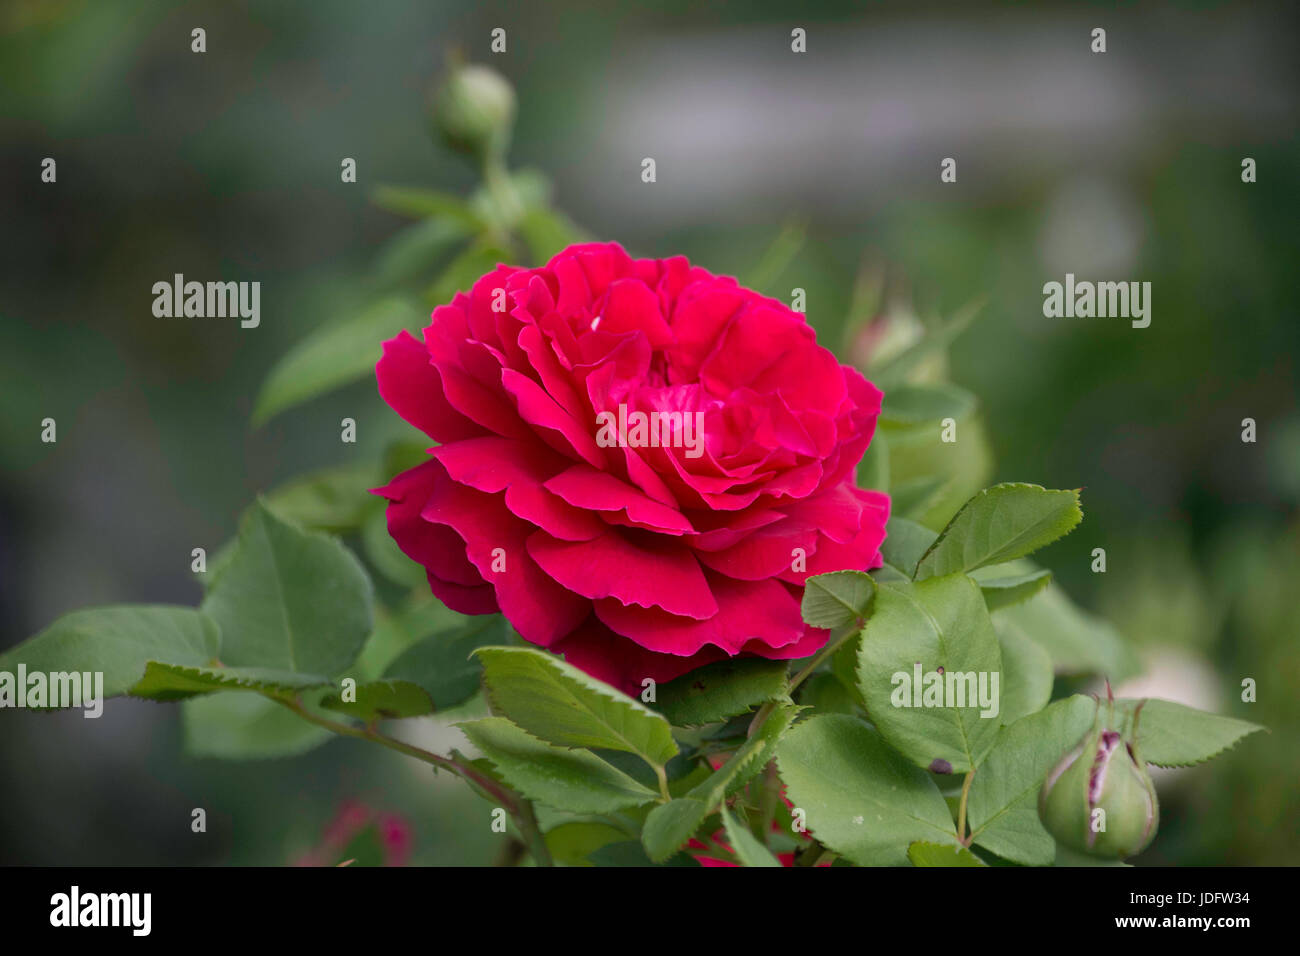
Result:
x=474 y=110
x=1099 y=799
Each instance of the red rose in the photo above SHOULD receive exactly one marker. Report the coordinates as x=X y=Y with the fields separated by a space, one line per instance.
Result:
x=634 y=454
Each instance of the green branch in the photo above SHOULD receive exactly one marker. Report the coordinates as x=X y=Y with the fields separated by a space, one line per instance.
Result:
x=519 y=809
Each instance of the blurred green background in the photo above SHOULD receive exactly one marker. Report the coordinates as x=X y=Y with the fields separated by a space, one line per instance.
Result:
x=226 y=165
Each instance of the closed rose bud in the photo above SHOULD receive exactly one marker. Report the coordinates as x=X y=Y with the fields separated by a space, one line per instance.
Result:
x=474 y=110
x=1099 y=799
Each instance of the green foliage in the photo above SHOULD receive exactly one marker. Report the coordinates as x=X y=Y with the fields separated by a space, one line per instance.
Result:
x=443 y=665
x=1027 y=677
x=177 y=682
x=753 y=756
x=1077 y=642
x=119 y=642
x=1003 y=805
x=289 y=599
x=332 y=499
x=419 y=203
x=567 y=779
x=721 y=690
x=1174 y=735
x=289 y=612
x=559 y=703
x=1001 y=524
x=748 y=849
x=236 y=726
x=915 y=404
x=335 y=355
x=838 y=598
x=940 y=854
x=862 y=799
x=573 y=843
x=1002 y=587
x=409 y=253
x=905 y=542
x=382 y=699
x=670 y=825
x=942 y=625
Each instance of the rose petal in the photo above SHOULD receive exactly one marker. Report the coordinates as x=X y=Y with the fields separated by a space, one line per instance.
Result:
x=650 y=573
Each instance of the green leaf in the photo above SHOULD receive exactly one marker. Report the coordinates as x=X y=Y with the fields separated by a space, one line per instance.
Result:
x=1002 y=808
x=1026 y=677
x=838 y=598
x=233 y=726
x=443 y=666
x=670 y=825
x=573 y=780
x=419 y=203
x=1008 y=589
x=721 y=690
x=502 y=208
x=905 y=542
x=383 y=700
x=387 y=558
x=748 y=760
x=1174 y=735
x=844 y=668
x=464 y=270
x=895 y=369
x=825 y=694
x=929 y=478
x=333 y=499
x=941 y=854
x=748 y=850
x=1000 y=524
x=1077 y=642
x=177 y=681
x=873 y=470
x=572 y=843
x=118 y=641
x=546 y=232
x=334 y=355
x=417 y=248
x=631 y=853
x=1067 y=857
x=916 y=496
x=778 y=256
x=908 y=404
x=420 y=619
x=557 y=702
x=289 y=599
x=861 y=799
x=938 y=623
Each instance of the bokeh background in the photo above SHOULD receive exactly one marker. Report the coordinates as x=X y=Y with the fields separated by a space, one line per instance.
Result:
x=226 y=165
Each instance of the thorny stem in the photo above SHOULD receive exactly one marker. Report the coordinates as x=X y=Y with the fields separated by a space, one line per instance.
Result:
x=767 y=802
x=961 y=810
x=832 y=645
x=521 y=810
x=662 y=774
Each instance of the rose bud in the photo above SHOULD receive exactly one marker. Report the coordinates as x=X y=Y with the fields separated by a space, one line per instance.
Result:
x=474 y=110
x=1104 y=773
